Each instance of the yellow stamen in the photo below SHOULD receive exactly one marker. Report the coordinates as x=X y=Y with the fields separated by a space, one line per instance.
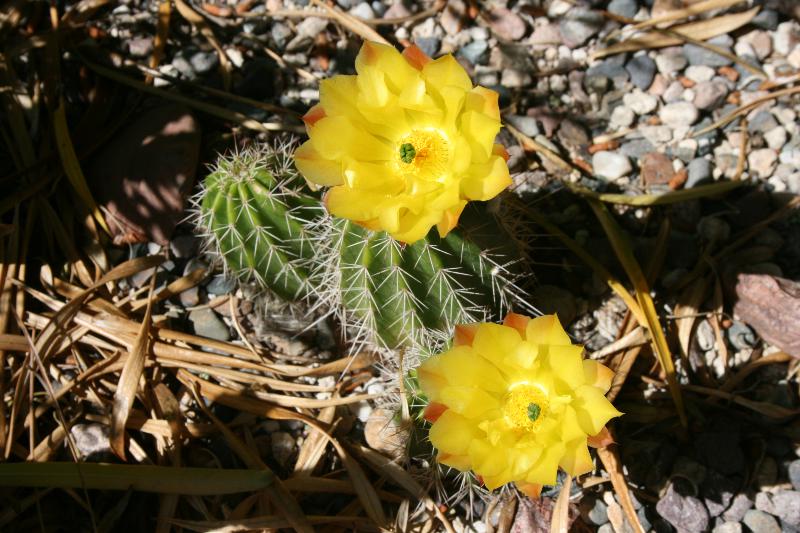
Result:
x=525 y=406
x=424 y=154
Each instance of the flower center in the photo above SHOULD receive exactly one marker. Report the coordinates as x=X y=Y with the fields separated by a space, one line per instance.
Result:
x=525 y=406
x=424 y=154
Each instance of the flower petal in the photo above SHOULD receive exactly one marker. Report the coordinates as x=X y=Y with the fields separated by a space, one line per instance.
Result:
x=484 y=181
x=567 y=364
x=452 y=433
x=576 y=459
x=446 y=72
x=547 y=330
x=484 y=101
x=593 y=409
x=315 y=168
x=416 y=57
x=465 y=333
x=338 y=138
x=494 y=342
x=516 y=321
x=597 y=375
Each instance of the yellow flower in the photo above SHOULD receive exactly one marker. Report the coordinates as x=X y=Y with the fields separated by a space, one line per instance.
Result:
x=515 y=402
x=404 y=144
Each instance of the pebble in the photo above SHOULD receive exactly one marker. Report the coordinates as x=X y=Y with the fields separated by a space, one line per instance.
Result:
x=761 y=522
x=656 y=169
x=697 y=55
x=642 y=69
x=739 y=506
x=579 y=25
x=686 y=150
x=762 y=161
x=674 y=92
x=610 y=165
x=762 y=122
x=184 y=246
x=221 y=284
x=506 y=24
x=766 y=19
x=718 y=492
x=699 y=73
x=598 y=514
x=794 y=474
x=476 y=52
x=785 y=38
x=668 y=63
x=527 y=125
x=741 y=336
x=623 y=8
x=282 y=445
x=776 y=137
x=429 y=45
x=641 y=103
x=206 y=323
x=363 y=11
x=513 y=78
x=728 y=527
x=678 y=114
x=190 y=297
x=787 y=506
x=91 y=440
x=710 y=94
x=656 y=134
x=686 y=513
x=636 y=148
x=622 y=117
x=453 y=16
x=140 y=46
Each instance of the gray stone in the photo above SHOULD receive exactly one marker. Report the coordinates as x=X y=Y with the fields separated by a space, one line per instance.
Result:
x=579 y=25
x=527 y=125
x=207 y=324
x=453 y=16
x=739 y=506
x=764 y=502
x=766 y=19
x=622 y=117
x=598 y=514
x=684 y=512
x=429 y=45
x=476 y=52
x=513 y=78
x=761 y=522
x=718 y=492
x=280 y=33
x=794 y=473
x=623 y=8
x=610 y=165
x=642 y=69
x=741 y=336
x=699 y=172
x=190 y=297
x=363 y=11
x=91 y=440
x=506 y=24
x=636 y=148
x=697 y=55
x=641 y=103
x=728 y=527
x=710 y=94
x=787 y=506
x=679 y=114
x=776 y=137
x=669 y=63
x=762 y=161
x=656 y=134
x=699 y=73
x=611 y=68
x=203 y=62
x=140 y=46
x=221 y=284
x=282 y=445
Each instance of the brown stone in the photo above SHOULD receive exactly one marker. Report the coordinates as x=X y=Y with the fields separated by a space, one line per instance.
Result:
x=142 y=176
x=656 y=169
x=506 y=24
x=771 y=305
x=385 y=434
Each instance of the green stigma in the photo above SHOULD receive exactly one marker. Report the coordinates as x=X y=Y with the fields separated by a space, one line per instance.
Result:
x=407 y=152
x=534 y=411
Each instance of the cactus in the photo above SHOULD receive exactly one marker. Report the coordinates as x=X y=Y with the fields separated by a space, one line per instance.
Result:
x=254 y=219
x=269 y=229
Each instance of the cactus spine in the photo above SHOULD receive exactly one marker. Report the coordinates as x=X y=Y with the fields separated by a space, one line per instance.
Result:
x=385 y=293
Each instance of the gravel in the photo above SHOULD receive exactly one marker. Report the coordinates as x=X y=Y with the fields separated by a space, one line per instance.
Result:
x=611 y=166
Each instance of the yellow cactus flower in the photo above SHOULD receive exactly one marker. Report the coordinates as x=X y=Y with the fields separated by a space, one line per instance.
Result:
x=514 y=402
x=404 y=144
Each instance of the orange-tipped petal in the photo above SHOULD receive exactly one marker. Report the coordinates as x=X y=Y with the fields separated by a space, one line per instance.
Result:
x=499 y=149
x=517 y=321
x=597 y=375
x=314 y=114
x=450 y=219
x=416 y=57
x=465 y=334
x=433 y=411
x=531 y=490
x=601 y=440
